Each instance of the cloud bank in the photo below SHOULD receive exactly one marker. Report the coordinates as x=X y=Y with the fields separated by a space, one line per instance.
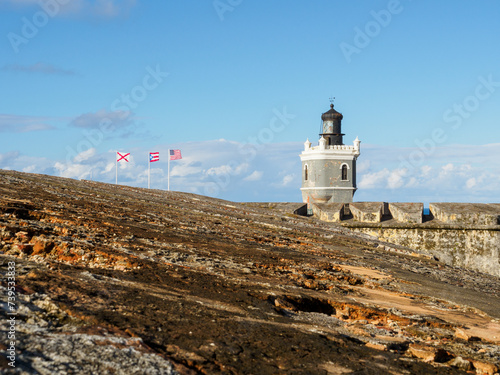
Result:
x=90 y=8
x=95 y=120
x=24 y=124
x=39 y=67
x=271 y=172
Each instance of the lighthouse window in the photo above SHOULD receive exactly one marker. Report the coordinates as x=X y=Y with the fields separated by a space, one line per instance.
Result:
x=305 y=173
x=344 y=172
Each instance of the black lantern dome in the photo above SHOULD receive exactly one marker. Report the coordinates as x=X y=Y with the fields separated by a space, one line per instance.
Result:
x=331 y=115
x=331 y=127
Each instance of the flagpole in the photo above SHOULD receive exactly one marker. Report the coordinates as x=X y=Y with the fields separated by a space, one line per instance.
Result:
x=116 y=168
x=149 y=170
x=168 y=178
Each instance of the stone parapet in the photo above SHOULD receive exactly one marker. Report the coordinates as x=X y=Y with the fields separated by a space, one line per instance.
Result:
x=454 y=214
x=367 y=212
x=466 y=213
x=407 y=212
x=331 y=212
x=459 y=234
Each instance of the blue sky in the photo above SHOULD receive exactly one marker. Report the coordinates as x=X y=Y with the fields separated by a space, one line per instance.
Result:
x=239 y=85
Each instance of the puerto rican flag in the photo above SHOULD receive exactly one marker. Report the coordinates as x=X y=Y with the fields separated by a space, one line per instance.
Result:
x=120 y=156
x=175 y=154
x=154 y=156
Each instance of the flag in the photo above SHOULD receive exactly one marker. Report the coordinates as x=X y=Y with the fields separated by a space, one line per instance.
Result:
x=175 y=154
x=122 y=156
x=154 y=156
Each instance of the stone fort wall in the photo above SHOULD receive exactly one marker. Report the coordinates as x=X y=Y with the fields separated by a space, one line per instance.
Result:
x=459 y=234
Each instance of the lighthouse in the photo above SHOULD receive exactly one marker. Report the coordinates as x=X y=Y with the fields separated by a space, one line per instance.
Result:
x=329 y=169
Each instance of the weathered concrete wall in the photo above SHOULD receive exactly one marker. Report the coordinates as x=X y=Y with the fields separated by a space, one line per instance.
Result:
x=473 y=248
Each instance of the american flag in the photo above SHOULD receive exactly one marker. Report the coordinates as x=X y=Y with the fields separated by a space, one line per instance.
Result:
x=175 y=154
x=154 y=156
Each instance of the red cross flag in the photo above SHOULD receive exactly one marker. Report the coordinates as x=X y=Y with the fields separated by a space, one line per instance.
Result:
x=120 y=157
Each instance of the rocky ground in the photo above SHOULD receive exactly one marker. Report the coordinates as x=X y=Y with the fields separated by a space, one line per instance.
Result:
x=119 y=280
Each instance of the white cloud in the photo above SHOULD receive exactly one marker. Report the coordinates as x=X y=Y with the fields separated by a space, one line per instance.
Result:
x=395 y=179
x=77 y=171
x=448 y=167
x=218 y=168
x=470 y=183
x=103 y=118
x=411 y=183
x=227 y=169
x=108 y=168
x=426 y=170
x=254 y=176
x=30 y=169
x=16 y=161
x=84 y=155
x=8 y=157
x=102 y=9
x=185 y=170
x=38 y=68
x=112 y=8
x=287 y=179
x=24 y=124
x=221 y=169
x=21 y=2
x=442 y=178
x=374 y=179
x=362 y=166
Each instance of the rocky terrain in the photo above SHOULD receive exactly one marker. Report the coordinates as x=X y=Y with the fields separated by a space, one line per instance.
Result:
x=106 y=279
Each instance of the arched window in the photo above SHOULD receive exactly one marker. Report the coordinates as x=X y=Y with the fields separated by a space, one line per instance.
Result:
x=305 y=173
x=344 y=172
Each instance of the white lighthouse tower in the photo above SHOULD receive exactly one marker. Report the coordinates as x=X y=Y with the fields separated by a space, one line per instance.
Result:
x=329 y=169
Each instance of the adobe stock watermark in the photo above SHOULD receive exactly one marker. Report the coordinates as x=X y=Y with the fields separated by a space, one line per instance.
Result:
x=363 y=37
x=250 y=149
x=122 y=105
x=454 y=116
x=223 y=6
x=32 y=25
x=461 y=111
x=11 y=313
